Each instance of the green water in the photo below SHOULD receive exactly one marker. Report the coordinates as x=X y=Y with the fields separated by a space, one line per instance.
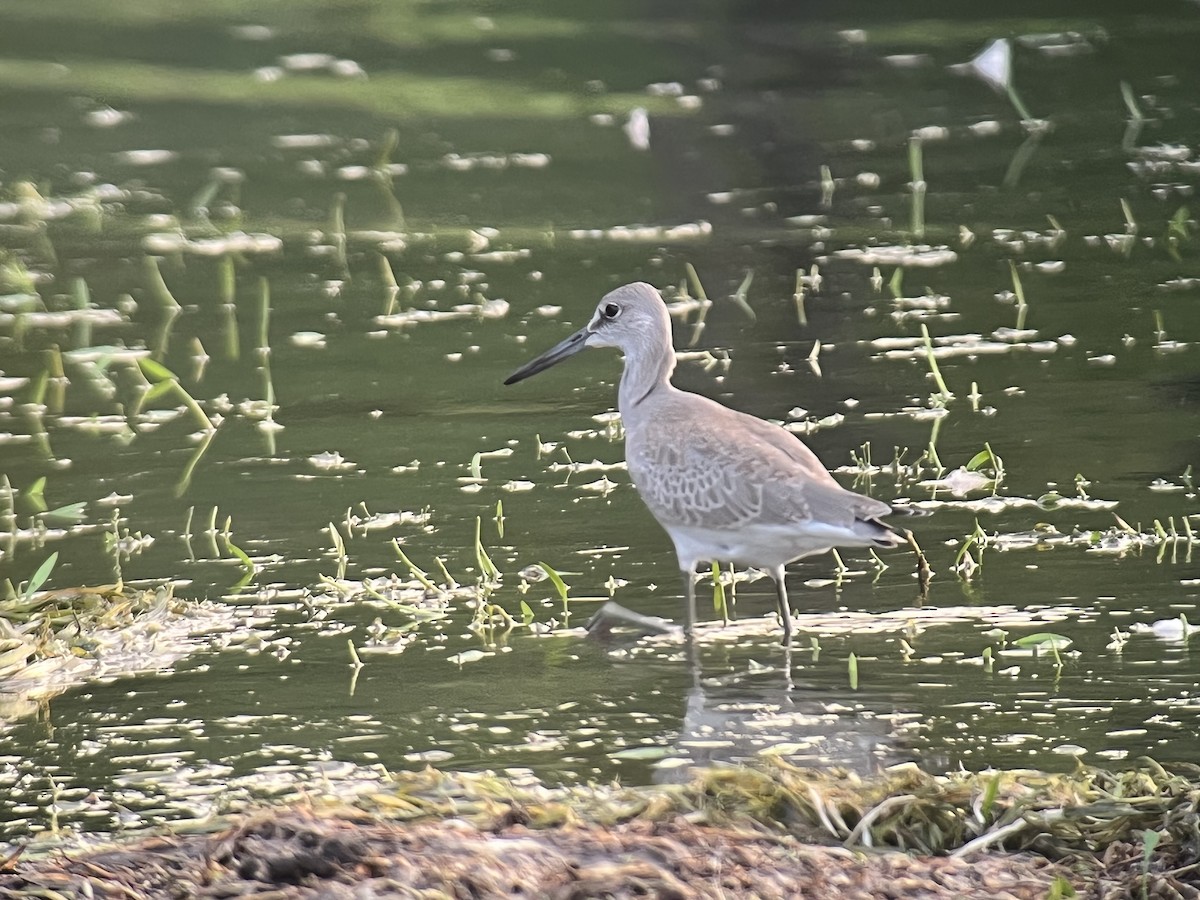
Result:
x=480 y=151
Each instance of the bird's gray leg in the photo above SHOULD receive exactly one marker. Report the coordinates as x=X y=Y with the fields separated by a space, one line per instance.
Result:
x=689 y=588
x=690 y=648
x=781 y=602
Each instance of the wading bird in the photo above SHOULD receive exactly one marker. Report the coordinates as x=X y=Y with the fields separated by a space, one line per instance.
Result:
x=725 y=485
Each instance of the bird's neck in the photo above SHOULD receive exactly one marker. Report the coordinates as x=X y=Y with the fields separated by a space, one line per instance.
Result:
x=644 y=374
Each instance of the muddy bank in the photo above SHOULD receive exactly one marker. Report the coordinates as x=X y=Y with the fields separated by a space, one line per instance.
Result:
x=775 y=831
x=299 y=854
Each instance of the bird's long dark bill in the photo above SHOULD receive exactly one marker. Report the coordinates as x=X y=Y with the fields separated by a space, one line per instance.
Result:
x=555 y=354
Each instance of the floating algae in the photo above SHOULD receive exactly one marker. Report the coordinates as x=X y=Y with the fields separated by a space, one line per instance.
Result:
x=53 y=640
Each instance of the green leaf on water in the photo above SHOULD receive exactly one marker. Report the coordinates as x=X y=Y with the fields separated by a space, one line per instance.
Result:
x=416 y=571
x=981 y=459
x=240 y=554
x=1044 y=640
x=526 y=613
x=72 y=512
x=157 y=390
x=40 y=576
x=641 y=753
x=1150 y=839
x=36 y=493
x=487 y=568
x=719 y=606
x=561 y=586
x=989 y=795
x=155 y=371
x=1060 y=889
x=853 y=666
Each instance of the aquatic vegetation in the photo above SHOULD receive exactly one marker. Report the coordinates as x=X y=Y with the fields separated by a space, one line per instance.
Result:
x=56 y=639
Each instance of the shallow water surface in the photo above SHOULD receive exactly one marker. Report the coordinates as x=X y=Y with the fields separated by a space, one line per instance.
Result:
x=340 y=230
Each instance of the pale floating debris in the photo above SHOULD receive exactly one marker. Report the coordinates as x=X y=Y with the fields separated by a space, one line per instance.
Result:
x=637 y=129
x=548 y=310
x=811 y=426
x=594 y=466
x=1103 y=359
x=500 y=54
x=992 y=64
x=469 y=656
x=311 y=340
x=998 y=504
x=601 y=486
x=107 y=117
x=11 y=383
x=665 y=89
x=960 y=482
x=722 y=129
x=15 y=303
x=493 y=161
x=868 y=180
x=1120 y=243
x=949 y=346
x=1018 y=242
x=87 y=355
x=689 y=102
x=1161 y=484
x=984 y=128
x=354 y=173
x=488 y=309
x=1174 y=630
x=380 y=521
x=304 y=141
x=429 y=756
x=502 y=256
x=908 y=60
x=347 y=68
x=247 y=243
x=113 y=424
x=1015 y=335
x=895 y=343
x=518 y=486
x=529 y=160
x=645 y=233
x=1062 y=43
x=330 y=461
x=268 y=74
x=145 y=157
x=1170 y=346
x=807 y=221
x=321 y=62
x=252 y=32
x=853 y=35
x=1069 y=750
x=1051 y=266
x=67 y=317
x=918 y=256
x=930 y=133
x=851 y=622
x=916 y=413
x=1167 y=152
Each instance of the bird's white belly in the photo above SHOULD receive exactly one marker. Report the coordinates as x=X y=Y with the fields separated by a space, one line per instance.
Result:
x=761 y=546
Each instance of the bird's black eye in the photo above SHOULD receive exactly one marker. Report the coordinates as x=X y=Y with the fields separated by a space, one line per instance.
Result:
x=611 y=311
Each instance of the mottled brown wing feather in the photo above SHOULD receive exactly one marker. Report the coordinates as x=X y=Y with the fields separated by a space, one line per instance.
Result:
x=691 y=468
